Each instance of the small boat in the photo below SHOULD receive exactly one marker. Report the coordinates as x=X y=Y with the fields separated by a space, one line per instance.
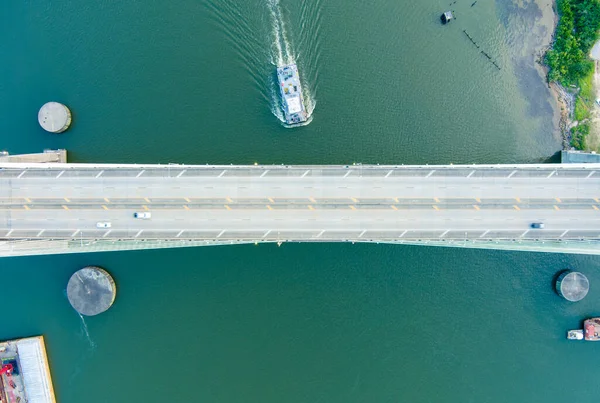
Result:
x=295 y=113
x=590 y=331
x=591 y=327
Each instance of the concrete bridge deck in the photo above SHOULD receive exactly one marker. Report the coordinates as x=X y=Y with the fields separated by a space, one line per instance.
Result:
x=197 y=205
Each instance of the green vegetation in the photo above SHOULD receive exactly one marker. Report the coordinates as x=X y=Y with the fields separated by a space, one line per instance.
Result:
x=578 y=136
x=568 y=59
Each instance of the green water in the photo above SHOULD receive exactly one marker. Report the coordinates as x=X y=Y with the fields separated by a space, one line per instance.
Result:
x=192 y=81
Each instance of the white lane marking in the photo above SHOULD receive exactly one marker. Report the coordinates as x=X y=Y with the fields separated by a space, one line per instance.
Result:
x=347 y=173
x=305 y=173
x=21 y=174
x=141 y=173
x=9 y=232
x=40 y=233
x=591 y=173
x=264 y=173
x=563 y=234
x=266 y=233
x=181 y=173
x=106 y=233
x=551 y=174
x=139 y=233
x=101 y=172
x=389 y=173
x=484 y=234
x=402 y=234
x=430 y=173
x=511 y=174
x=469 y=175
x=60 y=174
x=523 y=234
x=222 y=173
x=320 y=233
x=74 y=233
x=220 y=233
x=179 y=233
x=444 y=233
x=362 y=233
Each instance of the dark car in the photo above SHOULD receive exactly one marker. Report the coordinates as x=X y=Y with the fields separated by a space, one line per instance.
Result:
x=538 y=225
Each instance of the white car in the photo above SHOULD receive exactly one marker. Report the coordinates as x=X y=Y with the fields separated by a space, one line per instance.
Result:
x=143 y=215
x=103 y=224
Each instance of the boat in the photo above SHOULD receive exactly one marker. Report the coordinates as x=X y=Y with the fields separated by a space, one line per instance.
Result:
x=294 y=111
x=590 y=331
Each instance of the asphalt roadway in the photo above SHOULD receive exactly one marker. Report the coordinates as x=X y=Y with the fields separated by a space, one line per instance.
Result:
x=292 y=203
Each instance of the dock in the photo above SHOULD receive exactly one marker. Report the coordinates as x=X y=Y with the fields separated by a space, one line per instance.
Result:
x=48 y=156
x=25 y=373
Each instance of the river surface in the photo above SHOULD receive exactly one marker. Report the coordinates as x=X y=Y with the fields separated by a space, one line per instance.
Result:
x=193 y=81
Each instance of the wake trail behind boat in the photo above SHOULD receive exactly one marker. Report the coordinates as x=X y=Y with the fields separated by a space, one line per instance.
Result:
x=283 y=53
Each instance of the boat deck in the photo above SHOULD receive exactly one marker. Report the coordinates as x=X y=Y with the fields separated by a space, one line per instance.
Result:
x=592 y=329
x=291 y=94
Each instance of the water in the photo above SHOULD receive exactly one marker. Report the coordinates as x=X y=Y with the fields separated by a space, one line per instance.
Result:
x=191 y=82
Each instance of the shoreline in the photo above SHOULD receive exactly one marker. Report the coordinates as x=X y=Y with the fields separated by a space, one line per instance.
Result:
x=568 y=98
x=565 y=100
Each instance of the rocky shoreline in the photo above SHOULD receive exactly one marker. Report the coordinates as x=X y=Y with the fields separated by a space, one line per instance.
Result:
x=566 y=102
x=564 y=98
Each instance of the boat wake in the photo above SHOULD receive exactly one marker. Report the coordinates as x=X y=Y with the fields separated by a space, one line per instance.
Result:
x=247 y=32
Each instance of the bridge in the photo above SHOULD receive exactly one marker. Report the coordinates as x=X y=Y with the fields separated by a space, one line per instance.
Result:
x=55 y=208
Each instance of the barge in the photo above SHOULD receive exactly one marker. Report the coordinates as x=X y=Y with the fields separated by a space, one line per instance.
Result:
x=292 y=100
x=24 y=372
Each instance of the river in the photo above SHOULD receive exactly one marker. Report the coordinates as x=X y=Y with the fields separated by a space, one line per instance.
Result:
x=193 y=82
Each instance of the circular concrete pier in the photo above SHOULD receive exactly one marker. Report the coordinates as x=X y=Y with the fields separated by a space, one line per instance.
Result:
x=572 y=285
x=91 y=291
x=54 y=117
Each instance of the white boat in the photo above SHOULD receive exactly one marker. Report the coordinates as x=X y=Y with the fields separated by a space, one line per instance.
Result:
x=291 y=95
x=575 y=334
